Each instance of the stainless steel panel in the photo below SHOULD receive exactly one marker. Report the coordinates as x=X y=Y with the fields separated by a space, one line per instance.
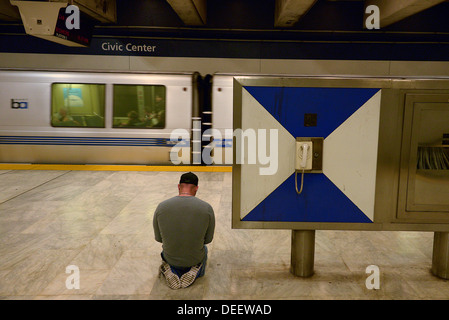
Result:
x=424 y=189
x=428 y=186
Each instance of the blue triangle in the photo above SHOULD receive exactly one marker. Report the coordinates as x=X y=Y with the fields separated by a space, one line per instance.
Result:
x=332 y=106
x=320 y=201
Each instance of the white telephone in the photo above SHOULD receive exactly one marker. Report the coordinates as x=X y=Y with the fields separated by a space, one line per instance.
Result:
x=308 y=158
x=304 y=151
x=303 y=160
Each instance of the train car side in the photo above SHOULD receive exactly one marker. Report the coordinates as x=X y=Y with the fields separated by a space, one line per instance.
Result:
x=99 y=107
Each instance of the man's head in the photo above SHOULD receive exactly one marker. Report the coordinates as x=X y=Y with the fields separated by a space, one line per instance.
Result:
x=188 y=184
x=62 y=112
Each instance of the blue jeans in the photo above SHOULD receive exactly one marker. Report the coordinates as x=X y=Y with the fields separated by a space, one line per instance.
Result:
x=179 y=271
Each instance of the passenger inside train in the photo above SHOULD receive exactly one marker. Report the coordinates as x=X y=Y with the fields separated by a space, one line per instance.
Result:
x=62 y=118
x=147 y=109
x=133 y=120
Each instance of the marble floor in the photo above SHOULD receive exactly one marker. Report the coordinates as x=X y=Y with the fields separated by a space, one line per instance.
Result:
x=101 y=222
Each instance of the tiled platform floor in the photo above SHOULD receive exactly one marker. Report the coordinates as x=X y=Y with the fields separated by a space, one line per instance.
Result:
x=101 y=221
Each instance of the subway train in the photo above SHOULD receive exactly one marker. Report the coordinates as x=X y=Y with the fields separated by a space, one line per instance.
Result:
x=78 y=117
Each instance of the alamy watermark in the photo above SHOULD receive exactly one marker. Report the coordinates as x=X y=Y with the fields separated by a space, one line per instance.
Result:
x=373 y=280
x=73 y=20
x=373 y=20
x=252 y=146
x=73 y=280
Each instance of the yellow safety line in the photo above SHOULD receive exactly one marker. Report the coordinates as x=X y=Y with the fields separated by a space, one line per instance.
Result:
x=94 y=167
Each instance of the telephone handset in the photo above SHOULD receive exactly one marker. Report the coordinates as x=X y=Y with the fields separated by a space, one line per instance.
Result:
x=305 y=147
x=304 y=151
x=308 y=158
x=303 y=160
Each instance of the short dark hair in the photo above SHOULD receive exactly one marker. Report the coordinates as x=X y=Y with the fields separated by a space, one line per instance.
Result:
x=189 y=177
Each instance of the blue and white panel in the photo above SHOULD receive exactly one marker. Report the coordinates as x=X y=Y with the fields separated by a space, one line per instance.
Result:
x=348 y=120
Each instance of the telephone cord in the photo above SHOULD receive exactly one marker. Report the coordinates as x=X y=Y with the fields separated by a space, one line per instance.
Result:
x=296 y=182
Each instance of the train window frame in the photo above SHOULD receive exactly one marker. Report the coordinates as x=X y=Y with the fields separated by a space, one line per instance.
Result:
x=121 y=126
x=103 y=107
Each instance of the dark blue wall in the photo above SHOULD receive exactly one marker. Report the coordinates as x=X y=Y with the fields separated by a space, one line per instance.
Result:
x=244 y=29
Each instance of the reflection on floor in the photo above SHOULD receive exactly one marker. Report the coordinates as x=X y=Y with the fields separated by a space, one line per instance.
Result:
x=101 y=221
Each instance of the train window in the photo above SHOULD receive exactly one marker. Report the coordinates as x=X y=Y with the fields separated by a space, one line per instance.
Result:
x=139 y=106
x=77 y=105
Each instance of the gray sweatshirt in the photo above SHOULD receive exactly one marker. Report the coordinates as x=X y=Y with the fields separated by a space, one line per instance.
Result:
x=184 y=225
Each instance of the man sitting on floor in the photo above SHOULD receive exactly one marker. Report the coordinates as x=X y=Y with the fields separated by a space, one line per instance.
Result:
x=184 y=224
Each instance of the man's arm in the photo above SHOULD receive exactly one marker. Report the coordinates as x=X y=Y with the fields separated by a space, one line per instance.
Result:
x=157 y=233
x=210 y=230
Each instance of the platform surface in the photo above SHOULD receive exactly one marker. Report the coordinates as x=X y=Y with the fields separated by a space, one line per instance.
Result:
x=101 y=221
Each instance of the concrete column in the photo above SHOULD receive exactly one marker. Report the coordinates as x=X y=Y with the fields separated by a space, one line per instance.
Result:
x=440 y=257
x=303 y=253
x=288 y=12
x=191 y=12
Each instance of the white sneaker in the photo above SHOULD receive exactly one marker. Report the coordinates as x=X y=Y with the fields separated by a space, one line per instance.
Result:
x=172 y=279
